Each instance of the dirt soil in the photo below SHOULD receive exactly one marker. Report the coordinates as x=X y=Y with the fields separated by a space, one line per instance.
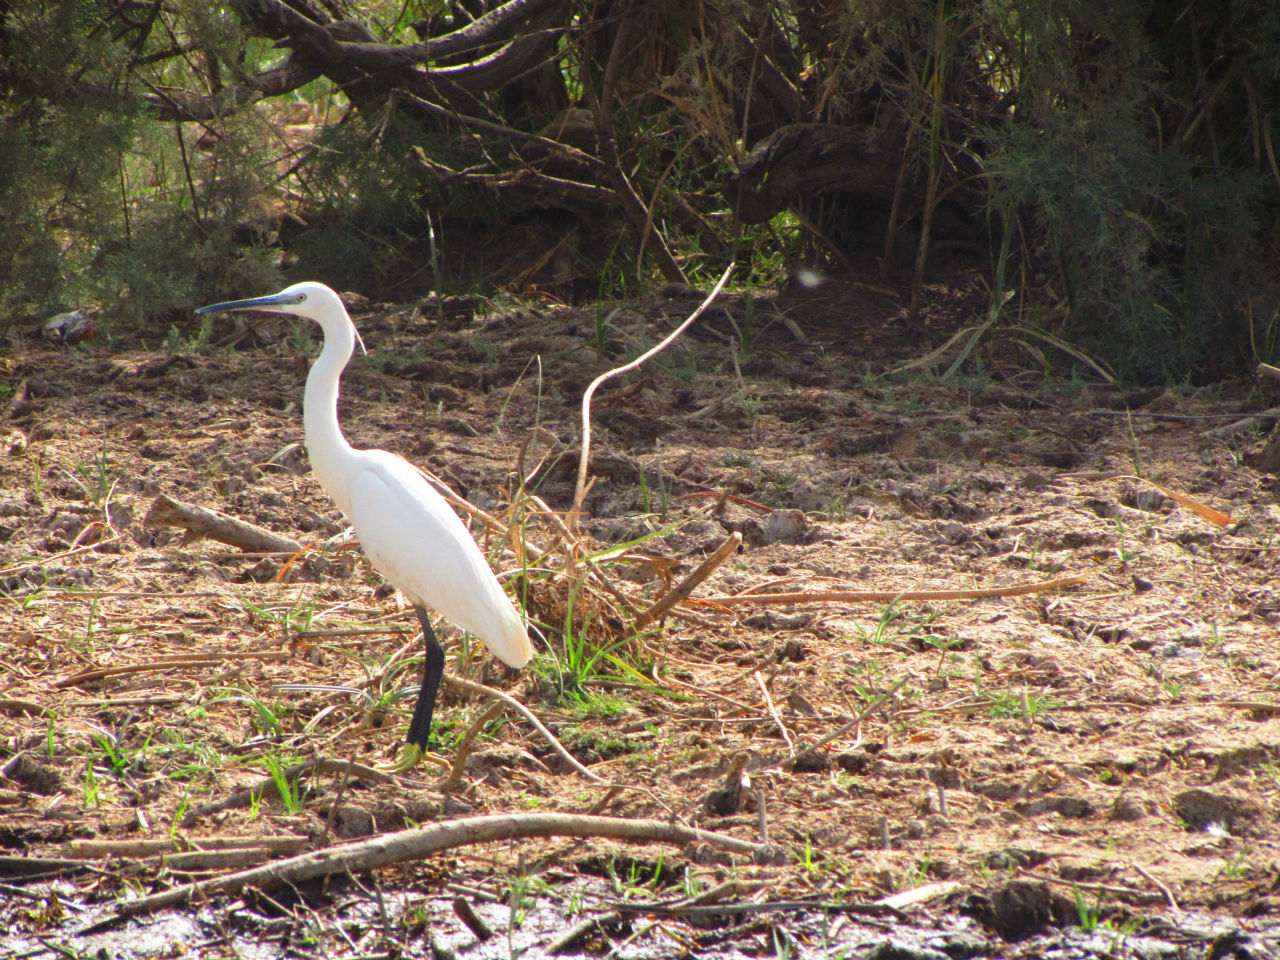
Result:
x=1105 y=754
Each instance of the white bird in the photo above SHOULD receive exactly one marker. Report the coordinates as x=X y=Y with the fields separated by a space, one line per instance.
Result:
x=407 y=529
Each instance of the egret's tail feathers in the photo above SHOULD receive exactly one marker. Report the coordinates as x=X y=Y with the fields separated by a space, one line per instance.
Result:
x=511 y=643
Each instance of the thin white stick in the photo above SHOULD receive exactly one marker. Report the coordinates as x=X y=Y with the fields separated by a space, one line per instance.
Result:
x=580 y=492
x=773 y=711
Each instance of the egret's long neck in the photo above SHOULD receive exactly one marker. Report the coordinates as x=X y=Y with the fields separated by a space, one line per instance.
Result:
x=326 y=446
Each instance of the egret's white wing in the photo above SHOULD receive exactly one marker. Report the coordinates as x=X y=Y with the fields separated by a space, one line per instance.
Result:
x=421 y=546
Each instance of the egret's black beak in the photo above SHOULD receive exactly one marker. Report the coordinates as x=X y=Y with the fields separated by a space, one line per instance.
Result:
x=275 y=302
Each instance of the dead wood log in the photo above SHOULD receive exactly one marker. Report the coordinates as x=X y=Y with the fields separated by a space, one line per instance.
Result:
x=419 y=842
x=201 y=523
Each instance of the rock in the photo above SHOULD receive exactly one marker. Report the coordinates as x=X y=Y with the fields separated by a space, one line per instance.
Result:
x=1241 y=760
x=808 y=496
x=1267 y=459
x=352 y=821
x=1022 y=907
x=781 y=526
x=1127 y=809
x=1074 y=807
x=1239 y=815
x=811 y=761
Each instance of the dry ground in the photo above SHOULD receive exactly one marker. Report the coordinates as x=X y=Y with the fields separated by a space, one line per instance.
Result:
x=1120 y=739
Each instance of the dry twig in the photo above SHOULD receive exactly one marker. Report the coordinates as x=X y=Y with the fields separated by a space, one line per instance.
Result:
x=528 y=714
x=773 y=712
x=580 y=491
x=464 y=748
x=1168 y=894
x=168 y=663
x=690 y=583
x=891 y=596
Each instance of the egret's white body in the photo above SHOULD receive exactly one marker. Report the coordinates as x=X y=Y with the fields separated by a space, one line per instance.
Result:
x=407 y=529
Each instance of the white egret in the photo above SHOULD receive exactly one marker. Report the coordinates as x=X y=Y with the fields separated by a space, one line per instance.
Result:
x=407 y=529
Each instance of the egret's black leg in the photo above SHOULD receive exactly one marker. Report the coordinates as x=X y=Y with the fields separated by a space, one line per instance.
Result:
x=432 y=671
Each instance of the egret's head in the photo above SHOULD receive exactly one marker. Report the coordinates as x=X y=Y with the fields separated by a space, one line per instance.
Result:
x=308 y=299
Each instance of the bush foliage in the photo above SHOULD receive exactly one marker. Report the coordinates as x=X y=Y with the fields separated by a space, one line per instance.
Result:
x=154 y=155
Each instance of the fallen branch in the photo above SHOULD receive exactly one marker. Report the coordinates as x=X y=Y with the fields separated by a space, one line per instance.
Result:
x=203 y=523
x=204 y=861
x=42 y=867
x=417 y=843
x=891 y=596
x=580 y=491
x=133 y=848
x=682 y=591
x=1256 y=421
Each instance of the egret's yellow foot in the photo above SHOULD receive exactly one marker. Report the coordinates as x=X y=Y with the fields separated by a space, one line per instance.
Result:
x=411 y=755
